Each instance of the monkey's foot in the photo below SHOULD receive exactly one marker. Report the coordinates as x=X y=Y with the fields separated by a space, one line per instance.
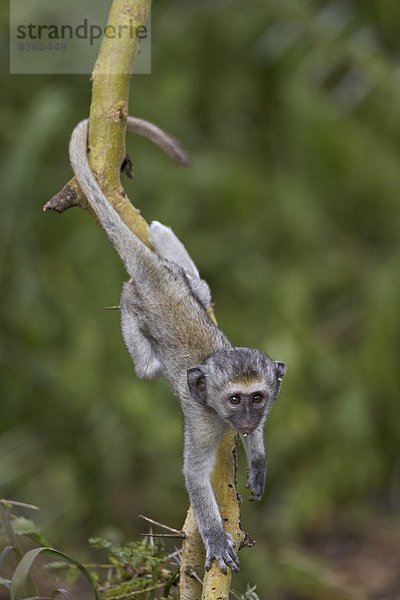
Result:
x=221 y=547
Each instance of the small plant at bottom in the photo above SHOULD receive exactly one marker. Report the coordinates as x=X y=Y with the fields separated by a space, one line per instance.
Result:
x=136 y=569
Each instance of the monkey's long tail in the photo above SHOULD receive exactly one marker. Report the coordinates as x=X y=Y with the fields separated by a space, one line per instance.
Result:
x=128 y=246
x=166 y=142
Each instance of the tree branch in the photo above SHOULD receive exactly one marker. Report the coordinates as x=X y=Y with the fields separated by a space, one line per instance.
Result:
x=216 y=586
x=109 y=109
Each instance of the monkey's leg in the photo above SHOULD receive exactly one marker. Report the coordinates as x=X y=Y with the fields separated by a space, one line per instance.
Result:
x=170 y=248
x=255 y=451
x=219 y=545
x=144 y=356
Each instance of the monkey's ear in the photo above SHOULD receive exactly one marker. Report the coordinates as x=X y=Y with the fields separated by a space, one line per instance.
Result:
x=280 y=370
x=197 y=384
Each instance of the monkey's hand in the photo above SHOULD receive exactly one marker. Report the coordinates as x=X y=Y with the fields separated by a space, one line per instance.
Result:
x=256 y=479
x=221 y=547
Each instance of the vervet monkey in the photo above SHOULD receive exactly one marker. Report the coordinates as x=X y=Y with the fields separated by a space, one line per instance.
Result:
x=168 y=332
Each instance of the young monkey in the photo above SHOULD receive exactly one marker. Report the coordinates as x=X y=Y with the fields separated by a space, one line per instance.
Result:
x=168 y=332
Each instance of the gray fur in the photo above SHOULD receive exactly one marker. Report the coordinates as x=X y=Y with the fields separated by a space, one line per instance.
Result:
x=169 y=247
x=168 y=332
x=167 y=143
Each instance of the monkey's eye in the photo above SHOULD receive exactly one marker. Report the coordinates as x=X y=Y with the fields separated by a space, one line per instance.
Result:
x=257 y=399
x=235 y=400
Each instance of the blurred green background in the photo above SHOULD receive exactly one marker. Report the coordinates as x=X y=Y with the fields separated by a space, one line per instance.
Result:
x=290 y=112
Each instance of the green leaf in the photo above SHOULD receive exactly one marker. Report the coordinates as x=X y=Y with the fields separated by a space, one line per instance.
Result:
x=7 y=550
x=5 y=582
x=100 y=543
x=22 y=571
x=64 y=593
x=22 y=526
x=67 y=572
x=6 y=521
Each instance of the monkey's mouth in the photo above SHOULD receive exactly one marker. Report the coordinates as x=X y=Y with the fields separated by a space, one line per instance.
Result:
x=245 y=431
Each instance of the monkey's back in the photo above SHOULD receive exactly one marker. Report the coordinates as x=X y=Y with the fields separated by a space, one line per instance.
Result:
x=172 y=318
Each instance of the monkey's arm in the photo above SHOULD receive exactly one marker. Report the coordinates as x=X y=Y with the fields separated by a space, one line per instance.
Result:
x=143 y=353
x=255 y=451
x=198 y=466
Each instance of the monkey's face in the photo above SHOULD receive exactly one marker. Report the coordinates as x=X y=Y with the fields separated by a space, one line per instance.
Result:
x=244 y=408
x=240 y=384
